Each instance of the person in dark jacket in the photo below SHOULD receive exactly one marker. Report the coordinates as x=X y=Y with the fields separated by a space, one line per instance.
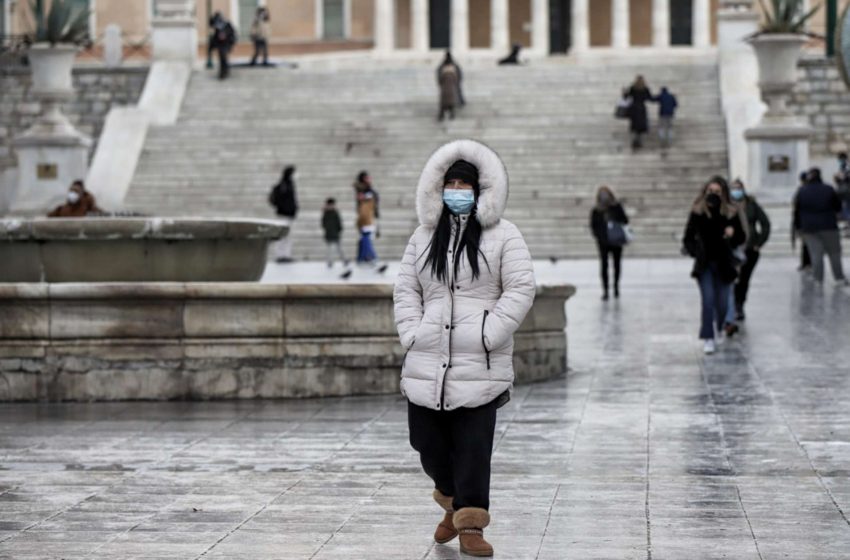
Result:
x=332 y=226
x=817 y=206
x=666 y=111
x=79 y=203
x=758 y=232
x=805 y=258
x=607 y=209
x=285 y=202
x=639 y=121
x=222 y=40
x=713 y=228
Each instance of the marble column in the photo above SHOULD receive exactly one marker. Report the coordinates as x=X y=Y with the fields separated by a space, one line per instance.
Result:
x=580 y=21
x=420 y=40
x=620 y=24
x=660 y=23
x=701 y=35
x=460 y=26
x=384 y=29
x=540 y=26
x=499 y=33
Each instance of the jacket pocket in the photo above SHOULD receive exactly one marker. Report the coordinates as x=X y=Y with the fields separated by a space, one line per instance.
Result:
x=483 y=344
x=406 y=352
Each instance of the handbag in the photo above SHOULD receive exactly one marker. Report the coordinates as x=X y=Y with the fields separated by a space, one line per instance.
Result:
x=624 y=108
x=617 y=234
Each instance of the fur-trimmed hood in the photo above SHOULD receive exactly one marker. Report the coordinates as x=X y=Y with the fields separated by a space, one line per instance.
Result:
x=492 y=178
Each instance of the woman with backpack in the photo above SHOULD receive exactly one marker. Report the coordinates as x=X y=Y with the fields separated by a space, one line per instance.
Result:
x=713 y=230
x=607 y=223
x=285 y=202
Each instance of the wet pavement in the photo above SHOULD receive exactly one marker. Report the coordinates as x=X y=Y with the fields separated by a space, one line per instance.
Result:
x=646 y=449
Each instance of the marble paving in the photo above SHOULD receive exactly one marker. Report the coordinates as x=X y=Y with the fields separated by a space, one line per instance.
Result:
x=646 y=449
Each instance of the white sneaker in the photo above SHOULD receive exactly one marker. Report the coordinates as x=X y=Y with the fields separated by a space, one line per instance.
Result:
x=709 y=347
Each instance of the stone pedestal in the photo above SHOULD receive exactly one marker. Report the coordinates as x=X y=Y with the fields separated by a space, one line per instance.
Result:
x=175 y=36
x=112 y=47
x=776 y=156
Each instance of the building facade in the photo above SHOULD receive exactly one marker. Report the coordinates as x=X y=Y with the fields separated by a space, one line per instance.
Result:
x=546 y=26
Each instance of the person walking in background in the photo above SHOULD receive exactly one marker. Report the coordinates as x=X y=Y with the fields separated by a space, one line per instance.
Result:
x=448 y=78
x=332 y=226
x=465 y=284
x=757 y=226
x=638 y=119
x=223 y=39
x=607 y=221
x=283 y=198
x=805 y=258
x=368 y=213
x=817 y=205
x=78 y=203
x=712 y=230
x=666 y=111
x=260 y=36
x=842 y=185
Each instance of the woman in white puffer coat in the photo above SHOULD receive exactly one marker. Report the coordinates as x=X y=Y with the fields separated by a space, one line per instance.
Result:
x=465 y=285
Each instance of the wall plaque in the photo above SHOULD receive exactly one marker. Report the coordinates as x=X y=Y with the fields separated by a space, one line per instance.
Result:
x=47 y=171
x=778 y=164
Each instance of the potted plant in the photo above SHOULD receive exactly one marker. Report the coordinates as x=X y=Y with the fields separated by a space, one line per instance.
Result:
x=58 y=33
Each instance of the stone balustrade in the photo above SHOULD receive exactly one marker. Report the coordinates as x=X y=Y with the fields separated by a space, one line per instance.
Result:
x=224 y=340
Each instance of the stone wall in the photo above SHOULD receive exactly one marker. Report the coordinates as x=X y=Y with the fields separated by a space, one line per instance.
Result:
x=213 y=340
x=824 y=99
x=96 y=91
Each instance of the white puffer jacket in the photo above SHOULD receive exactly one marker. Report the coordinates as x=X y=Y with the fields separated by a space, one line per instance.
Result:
x=459 y=334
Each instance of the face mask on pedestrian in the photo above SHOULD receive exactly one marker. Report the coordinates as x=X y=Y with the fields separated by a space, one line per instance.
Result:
x=73 y=197
x=605 y=198
x=737 y=194
x=713 y=200
x=459 y=201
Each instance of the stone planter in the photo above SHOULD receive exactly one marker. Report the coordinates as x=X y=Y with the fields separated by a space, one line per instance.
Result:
x=134 y=249
x=777 y=55
x=51 y=70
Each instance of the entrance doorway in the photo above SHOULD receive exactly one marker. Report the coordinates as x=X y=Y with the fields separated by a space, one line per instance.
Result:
x=333 y=19
x=681 y=27
x=560 y=25
x=439 y=16
x=247 y=13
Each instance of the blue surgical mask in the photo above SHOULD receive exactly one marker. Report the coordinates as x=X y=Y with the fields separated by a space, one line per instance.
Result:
x=737 y=194
x=459 y=201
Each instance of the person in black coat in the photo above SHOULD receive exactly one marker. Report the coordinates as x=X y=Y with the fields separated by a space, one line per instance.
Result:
x=639 y=121
x=758 y=232
x=285 y=203
x=608 y=209
x=816 y=208
x=713 y=229
x=222 y=40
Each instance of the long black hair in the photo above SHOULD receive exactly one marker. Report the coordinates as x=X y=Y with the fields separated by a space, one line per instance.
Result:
x=470 y=241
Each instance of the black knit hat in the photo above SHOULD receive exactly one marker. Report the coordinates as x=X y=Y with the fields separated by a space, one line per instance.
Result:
x=464 y=171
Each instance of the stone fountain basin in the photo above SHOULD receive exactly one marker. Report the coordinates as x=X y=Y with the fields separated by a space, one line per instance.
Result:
x=112 y=249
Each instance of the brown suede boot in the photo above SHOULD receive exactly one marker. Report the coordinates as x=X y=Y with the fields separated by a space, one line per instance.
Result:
x=445 y=530
x=470 y=523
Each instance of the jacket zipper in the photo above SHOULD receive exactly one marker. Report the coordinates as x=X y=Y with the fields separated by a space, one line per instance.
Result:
x=486 y=352
x=451 y=313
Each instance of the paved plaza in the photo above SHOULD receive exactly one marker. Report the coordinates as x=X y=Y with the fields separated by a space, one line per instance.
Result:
x=646 y=449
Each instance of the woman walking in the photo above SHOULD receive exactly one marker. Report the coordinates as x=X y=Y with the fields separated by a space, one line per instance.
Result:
x=465 y=284
x=638 y=119
x=606 y=218
x=758 y=232
x=713 y=229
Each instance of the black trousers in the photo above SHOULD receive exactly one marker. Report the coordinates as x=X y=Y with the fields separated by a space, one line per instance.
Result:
x=743 y=284
x=617 y=255
x=260 y=46
x=223 y=64
x=455 y=448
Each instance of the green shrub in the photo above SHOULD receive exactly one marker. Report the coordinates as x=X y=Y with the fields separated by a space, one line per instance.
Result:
x=63 y=23
x=785 y=16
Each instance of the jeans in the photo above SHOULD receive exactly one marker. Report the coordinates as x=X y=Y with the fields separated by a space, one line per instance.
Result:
x=743 y=285
x=617 y=254
x=335 y=250
x=455 y=448
x=260 y=45
x=365 y=249
x=714 y=294
x=820 y=242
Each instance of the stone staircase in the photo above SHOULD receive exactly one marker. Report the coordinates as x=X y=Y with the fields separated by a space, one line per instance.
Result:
x=552 y=122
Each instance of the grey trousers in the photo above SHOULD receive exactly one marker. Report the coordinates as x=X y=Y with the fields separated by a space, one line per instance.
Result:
x=820 y=242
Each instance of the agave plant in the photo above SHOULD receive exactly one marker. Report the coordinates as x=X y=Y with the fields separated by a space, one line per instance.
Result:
x=63 y=23
x=785 y=16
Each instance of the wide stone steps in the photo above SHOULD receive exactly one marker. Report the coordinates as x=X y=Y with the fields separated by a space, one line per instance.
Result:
x=551 y=123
